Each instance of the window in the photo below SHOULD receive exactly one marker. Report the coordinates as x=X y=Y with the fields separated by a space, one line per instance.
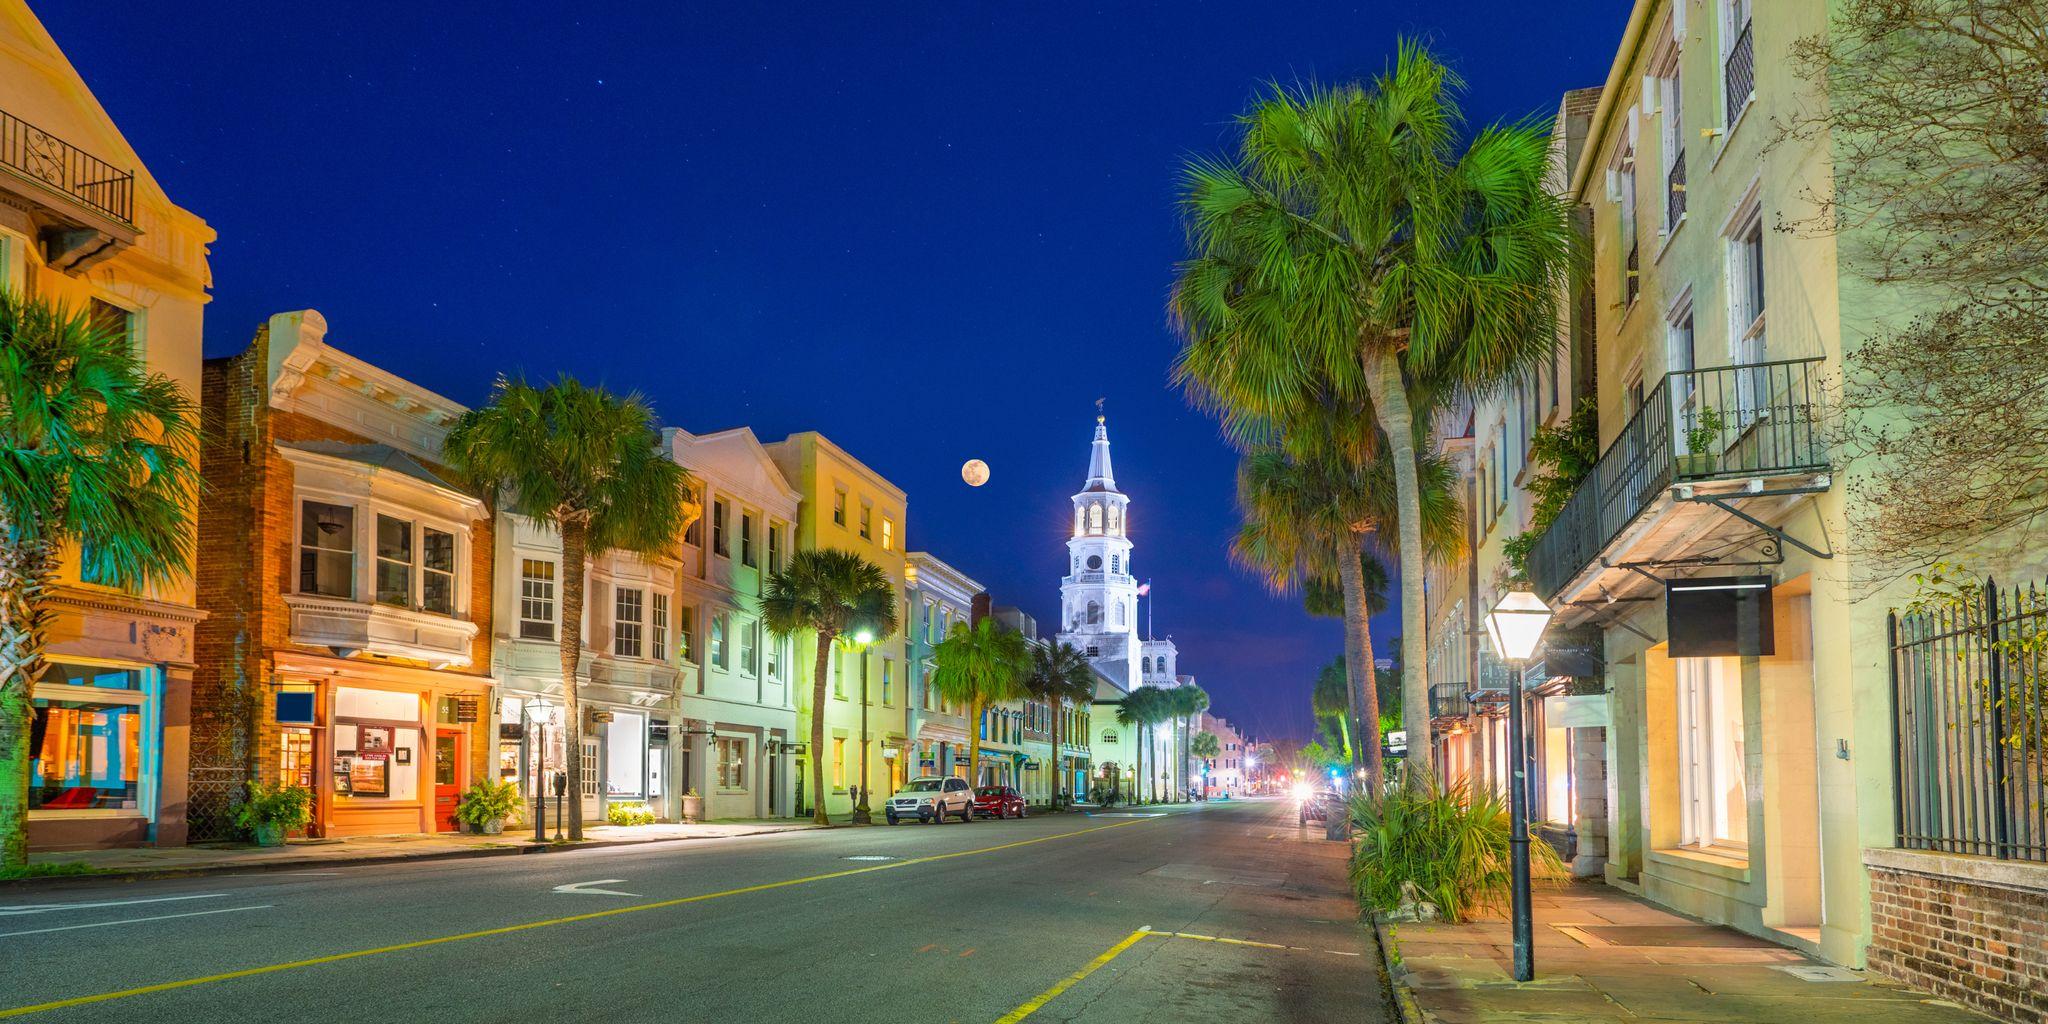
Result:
x=867 y=521
x=87 y=740
x=112 y=319
x=394 y=561
x=1119 y=612
x=719 y=624
x=839 y=507
x=1094 y=613
x=772 y=648
x=774 y=546
x=295 y=756
x=838 y=762
x=747 y=538
x=839 y=676
x=693 y=534
x=1746 y=279
x=1713 y=790
x=1738 y=57
x=536 y=599
x=1625 y=197
x=718 y=546
x=625 y=742
x=888 y=534
x=327 y=550
x=888 y=681
x=749 y=647
x=1094 y=519
x=1116 y=563
x=658 y=638
x=729 y=761
x=437 y=571
x=1672 y=139
x=688 y=634
x=627 y=604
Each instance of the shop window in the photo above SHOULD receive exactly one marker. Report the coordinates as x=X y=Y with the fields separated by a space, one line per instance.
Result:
x=589 y=779
x=626 y=756
x=295 y=756
x=377 y=749
x=658 y=633
x=729 y=756
x=90 y=745
x=719 y=624
x=327 y=550
x=536 y=599
x=747 y=538
x=1713 y=791
x=394 y=561
x=748 y=649
x=627 y=610
x=718 y=543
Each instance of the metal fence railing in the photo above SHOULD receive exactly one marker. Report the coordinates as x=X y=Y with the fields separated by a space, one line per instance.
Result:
x=1448 y=700
x=1738 y=79
x=1726 y=421
x=1674 y=190
x=34 y=153
x=1969 y=687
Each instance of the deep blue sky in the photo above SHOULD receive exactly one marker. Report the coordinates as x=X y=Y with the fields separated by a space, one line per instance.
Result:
x=932 y=231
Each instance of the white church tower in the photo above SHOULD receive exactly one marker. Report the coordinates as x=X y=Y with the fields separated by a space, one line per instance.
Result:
x=1099 y=595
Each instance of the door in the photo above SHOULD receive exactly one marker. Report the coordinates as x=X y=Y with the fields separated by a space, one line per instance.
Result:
x=448 y=745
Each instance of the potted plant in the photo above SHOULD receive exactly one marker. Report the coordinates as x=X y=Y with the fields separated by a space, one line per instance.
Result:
x=271 y=811
x=693 y=807
x=486 y=805
x=1699 y=457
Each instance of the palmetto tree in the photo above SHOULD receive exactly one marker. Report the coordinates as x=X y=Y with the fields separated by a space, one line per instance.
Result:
x=838 y=596
x=1312 y=516
x=1186 y=702
x=1060 y=675
x=1360 y=251
x=95 y=451
x=1139 y=710
x=1331 y=700
x=977 y=666
x=588 y=463
x=1205 y=745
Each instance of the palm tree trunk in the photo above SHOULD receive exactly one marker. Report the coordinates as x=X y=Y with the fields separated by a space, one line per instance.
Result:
x=25 y=571
x=1053 y=798
x=818 y=674
x=1397 y=421
x=1358 y=670
x=974 y=742
x=570 y=645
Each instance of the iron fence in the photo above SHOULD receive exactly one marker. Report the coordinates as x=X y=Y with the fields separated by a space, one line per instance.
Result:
x=1632 y=272
x=1674 y=190
x=1727 y=421
x=1738 y=78
x=1448 y=700
x=36 y=154
x=1969 y=686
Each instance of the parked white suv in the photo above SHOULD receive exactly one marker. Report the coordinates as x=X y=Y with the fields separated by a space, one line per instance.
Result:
x=931 y=800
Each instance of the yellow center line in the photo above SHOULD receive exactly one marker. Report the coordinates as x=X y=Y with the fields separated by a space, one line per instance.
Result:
x=250 y=972
x=1031 y=1006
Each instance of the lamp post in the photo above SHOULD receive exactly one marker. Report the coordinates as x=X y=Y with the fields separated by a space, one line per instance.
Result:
x=1515 y=626
x=861 y=814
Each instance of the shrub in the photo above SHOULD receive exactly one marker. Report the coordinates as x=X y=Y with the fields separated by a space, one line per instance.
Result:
x=487 y=800
x=288 y=807
x=629 y=814
x=1449 y=843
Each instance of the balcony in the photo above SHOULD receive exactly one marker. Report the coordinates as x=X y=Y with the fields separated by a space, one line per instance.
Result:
x=1738 y=425
x=83 y=207
x=1448 y=701
x=1738 y=76
x=356 y=627
x=1674 y=191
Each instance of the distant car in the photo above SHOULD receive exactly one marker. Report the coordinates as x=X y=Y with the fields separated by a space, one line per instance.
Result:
x=998 y=802
x=931 y=800
x=1316 y=806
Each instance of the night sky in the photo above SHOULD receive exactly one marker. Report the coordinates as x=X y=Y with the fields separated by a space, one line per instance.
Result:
x=933 y=232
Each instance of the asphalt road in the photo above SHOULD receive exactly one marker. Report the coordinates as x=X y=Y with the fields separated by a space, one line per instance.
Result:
x=1226 y=912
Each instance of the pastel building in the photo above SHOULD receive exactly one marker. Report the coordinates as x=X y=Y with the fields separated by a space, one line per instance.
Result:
x=939 y=597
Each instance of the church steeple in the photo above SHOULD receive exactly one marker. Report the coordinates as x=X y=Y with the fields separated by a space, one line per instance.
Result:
x=1099 y=476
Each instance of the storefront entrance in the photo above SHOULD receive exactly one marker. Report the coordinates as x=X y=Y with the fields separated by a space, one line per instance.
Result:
x=448 y=761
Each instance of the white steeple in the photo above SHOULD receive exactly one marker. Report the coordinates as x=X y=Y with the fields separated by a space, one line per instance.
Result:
x=1099 y=595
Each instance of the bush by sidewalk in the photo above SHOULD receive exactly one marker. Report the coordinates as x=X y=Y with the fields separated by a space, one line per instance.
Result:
x=1443 y=847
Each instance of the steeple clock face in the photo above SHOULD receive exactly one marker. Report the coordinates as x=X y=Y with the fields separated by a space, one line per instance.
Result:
x=1094 y=562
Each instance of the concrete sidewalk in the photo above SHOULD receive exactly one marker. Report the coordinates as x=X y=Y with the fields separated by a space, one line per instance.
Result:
x=1602 y=955
x=304 y=853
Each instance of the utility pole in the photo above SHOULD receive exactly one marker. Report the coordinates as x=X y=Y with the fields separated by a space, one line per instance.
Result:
x=861 y=814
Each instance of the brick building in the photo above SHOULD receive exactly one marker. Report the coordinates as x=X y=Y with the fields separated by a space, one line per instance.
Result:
x=347 y=582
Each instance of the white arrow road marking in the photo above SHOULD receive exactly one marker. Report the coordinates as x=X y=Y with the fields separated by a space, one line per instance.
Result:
x=44 y=908
x=582 y=888
x=136 y=920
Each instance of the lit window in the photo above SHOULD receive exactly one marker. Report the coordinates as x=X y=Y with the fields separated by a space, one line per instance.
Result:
x=327 y=550
x=87 y=744
x=627 y=607
x=838 y=762
x=1713 y=790
x=536 y=599
x=888 y=534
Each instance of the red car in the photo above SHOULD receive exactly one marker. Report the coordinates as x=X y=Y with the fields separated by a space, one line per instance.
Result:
x=998 y=802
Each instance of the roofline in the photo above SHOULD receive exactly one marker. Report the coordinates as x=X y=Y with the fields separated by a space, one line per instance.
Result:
x=945 y=571
x=1610 y=93
x=865 y=469
x=788 y=492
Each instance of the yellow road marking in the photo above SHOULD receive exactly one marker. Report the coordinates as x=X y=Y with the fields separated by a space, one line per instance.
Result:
x=1031 y=1006
x=250 y=972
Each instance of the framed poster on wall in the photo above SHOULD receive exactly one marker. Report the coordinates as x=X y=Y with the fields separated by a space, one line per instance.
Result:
x=370 y=775
x=373 y=739
x=344 y=768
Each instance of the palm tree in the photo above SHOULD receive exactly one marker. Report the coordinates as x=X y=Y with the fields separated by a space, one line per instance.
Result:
x=588 y=463
x=1139 y=710
x=1360 y=251
x=977 y=666
x=1060 y=675
x=838 y=596
x=1313 y=516
x=95 y=451
x=1187 y=702
x=1331 y=700
x=1205 y=745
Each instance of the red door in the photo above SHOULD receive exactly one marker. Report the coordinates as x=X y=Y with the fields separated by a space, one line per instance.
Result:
x=447 y=779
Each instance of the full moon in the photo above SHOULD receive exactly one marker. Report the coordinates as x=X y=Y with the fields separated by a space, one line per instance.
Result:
x=975 y=472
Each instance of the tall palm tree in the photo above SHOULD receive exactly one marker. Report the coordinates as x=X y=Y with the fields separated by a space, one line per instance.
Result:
x=1139 y=710
x=95 y=451
x=1314 y=515
x=1060 y=675
x=1331 y=700
x=1362 y=249
x=838 y=596
x=588 y=463
x=1187 y=702
x=977 y=666
x=1205 y=745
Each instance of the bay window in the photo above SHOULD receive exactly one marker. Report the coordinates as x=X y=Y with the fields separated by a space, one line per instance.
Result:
x=437 y=571
x=627 y=610
x=394 y=561
x=327 y=550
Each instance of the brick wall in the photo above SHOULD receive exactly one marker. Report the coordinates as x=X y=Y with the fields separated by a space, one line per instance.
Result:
x=1969 y=929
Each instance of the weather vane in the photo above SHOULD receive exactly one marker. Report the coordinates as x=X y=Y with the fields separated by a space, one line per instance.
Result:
x=1098 y=409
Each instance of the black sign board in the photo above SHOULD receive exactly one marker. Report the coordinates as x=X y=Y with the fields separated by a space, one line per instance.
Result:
x=1578 y=652
x=1719 y=616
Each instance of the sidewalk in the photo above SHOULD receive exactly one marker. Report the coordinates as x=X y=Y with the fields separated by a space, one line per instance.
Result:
x=321 y=853
x=1602 y=955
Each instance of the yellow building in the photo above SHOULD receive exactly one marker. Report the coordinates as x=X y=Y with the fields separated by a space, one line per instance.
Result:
x=848 y=506
x=83 y=223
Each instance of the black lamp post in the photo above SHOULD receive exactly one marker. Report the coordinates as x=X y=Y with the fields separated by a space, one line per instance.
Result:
x=861 y=814
x=1516 y=626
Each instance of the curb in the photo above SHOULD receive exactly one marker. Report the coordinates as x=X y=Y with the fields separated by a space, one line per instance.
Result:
x=300 y=864
x=1403 y=997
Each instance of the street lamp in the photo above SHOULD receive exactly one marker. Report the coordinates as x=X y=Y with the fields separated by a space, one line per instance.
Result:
x=1515 y=626
x=861 y=814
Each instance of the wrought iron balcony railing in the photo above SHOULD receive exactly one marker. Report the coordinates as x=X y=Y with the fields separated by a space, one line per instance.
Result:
x=1632 y=272
x=1448 y=700
x=40 y=156
x=1738 y=78
x=1674 y=190
x=1729 y=421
